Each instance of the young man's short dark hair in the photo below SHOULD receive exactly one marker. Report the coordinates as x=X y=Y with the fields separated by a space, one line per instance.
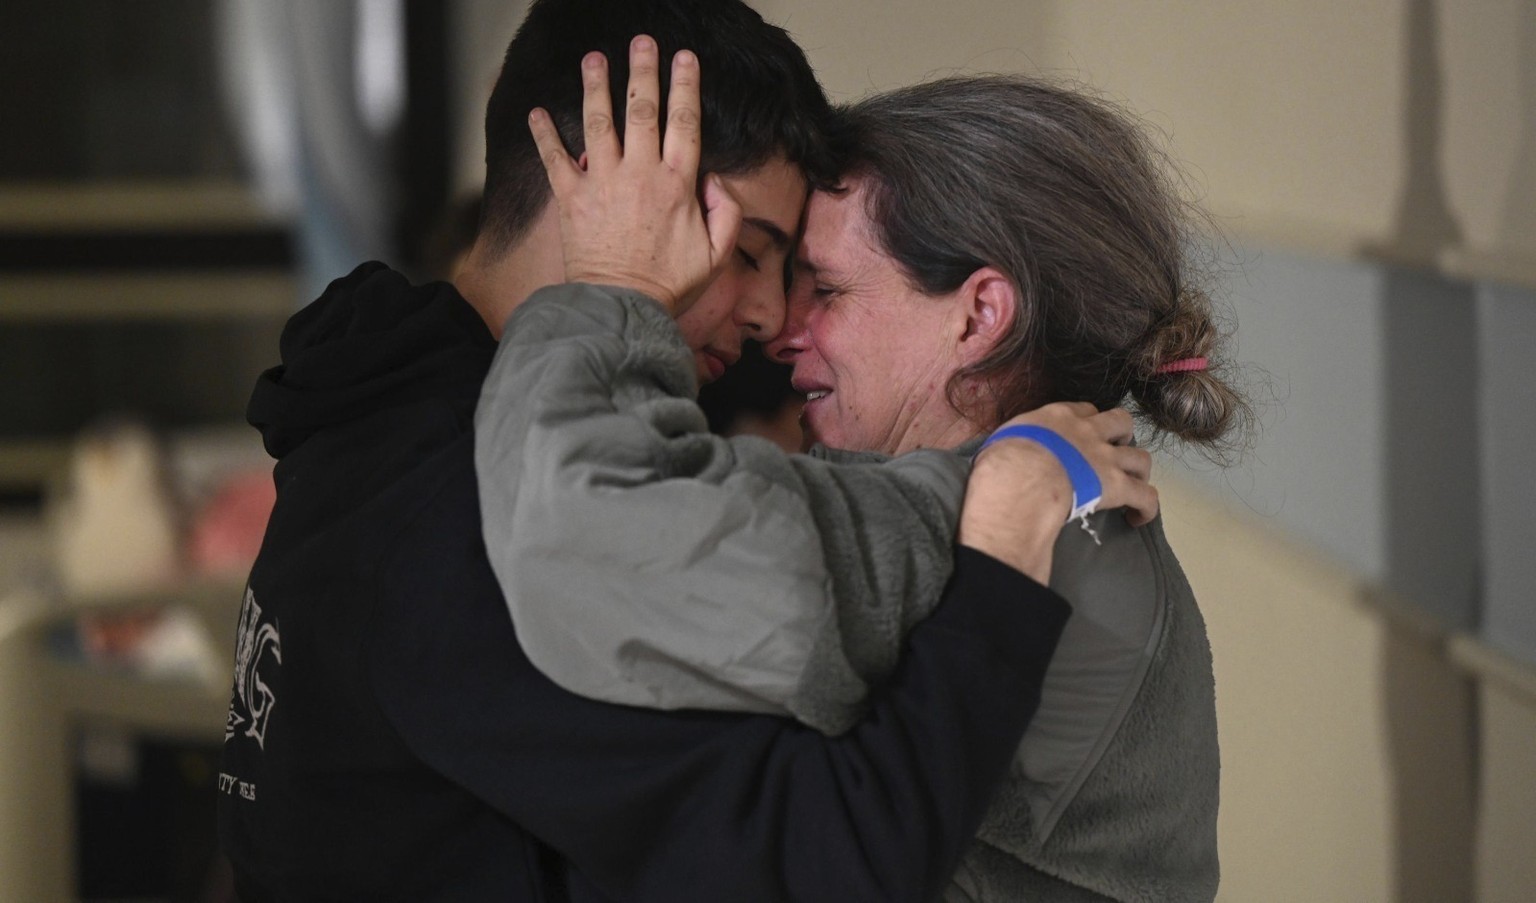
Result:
x=760 y=96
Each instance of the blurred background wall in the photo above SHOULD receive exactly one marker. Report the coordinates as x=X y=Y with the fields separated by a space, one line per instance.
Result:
x=1370 y=170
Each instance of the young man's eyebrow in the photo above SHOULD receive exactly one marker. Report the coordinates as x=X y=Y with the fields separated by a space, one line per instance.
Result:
x=779 y=237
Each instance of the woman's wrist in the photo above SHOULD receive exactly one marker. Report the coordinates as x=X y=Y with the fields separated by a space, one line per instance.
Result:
x=1016 y=500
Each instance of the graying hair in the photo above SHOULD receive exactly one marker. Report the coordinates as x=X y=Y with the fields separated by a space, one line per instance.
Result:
x=1065 y=195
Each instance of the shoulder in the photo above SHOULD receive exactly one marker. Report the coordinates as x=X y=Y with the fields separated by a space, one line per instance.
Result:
x=1120 y=609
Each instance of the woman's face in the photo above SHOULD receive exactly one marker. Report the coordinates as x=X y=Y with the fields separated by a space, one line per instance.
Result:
x=871 y=353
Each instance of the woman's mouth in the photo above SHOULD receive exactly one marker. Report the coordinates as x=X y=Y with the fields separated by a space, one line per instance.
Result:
x=815 y=399
x=812 y=416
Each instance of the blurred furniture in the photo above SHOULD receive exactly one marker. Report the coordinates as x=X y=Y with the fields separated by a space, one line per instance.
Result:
x=53 y=708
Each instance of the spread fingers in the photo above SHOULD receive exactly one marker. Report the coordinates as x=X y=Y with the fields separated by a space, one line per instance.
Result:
x=642 y=130
x=558 y=165
x=603 y=149
x=681 y=146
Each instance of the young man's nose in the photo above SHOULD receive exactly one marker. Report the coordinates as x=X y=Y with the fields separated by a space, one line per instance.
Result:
x=761 y=314
x=790 y=341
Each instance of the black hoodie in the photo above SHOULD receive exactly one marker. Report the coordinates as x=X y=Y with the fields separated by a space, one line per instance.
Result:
x=388 y=739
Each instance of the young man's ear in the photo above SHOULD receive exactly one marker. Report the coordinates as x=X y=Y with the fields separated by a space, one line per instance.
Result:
x=990 y=303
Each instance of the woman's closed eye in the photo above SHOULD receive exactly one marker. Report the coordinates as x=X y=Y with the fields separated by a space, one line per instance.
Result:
x=748 y=259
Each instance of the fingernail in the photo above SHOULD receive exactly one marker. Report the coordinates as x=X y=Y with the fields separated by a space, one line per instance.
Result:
x=684 y=58
x=593 y=60
x=537 y=115
x=643 y=42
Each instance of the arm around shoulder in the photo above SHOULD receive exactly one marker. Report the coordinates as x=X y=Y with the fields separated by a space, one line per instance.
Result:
x=650 y=563
x=653 y=805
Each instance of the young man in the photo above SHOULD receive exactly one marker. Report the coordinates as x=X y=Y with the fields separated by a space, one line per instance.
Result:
x=388 y=739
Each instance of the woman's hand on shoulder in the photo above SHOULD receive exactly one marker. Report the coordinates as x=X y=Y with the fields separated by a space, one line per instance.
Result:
x=1103 y=438
x=1019 y=494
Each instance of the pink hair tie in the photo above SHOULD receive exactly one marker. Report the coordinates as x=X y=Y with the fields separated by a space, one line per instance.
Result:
x=1182 y=366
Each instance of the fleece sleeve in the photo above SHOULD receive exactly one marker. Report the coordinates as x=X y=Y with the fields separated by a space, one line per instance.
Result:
x=648 y=562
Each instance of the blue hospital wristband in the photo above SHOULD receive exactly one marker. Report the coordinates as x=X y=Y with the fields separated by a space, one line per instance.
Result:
x=1087 y=491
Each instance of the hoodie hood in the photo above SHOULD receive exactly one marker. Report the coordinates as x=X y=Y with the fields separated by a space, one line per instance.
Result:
x=371 y=341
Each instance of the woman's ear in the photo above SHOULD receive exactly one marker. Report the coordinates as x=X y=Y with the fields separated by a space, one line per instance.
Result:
x=991 y=305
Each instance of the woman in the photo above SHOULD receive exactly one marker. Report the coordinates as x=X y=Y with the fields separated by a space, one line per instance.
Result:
x=997 y=244
x=1054 y=203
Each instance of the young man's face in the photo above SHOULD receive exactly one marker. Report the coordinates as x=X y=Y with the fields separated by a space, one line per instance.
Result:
x=747 y=299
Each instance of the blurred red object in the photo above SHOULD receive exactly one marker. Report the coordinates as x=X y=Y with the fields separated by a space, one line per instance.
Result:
x=114 y=636
x=226 y=534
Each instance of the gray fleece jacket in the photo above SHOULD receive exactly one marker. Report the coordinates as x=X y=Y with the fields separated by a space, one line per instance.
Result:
x=650 y=563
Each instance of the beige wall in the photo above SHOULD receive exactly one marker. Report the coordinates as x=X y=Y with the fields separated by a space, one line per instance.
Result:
x=1506 y=870
x=859 y=47
x=1293 y=119
x=1308 y=795
x=1305 y=795
x=1366 y=756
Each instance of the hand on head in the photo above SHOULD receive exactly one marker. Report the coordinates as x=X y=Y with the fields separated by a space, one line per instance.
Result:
x=631 y=216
